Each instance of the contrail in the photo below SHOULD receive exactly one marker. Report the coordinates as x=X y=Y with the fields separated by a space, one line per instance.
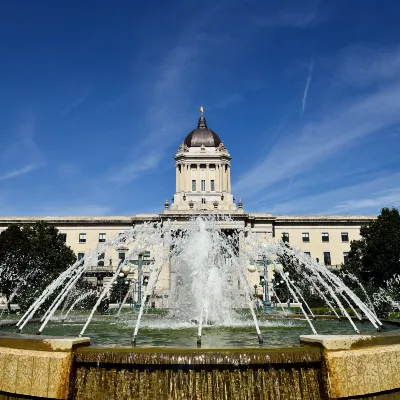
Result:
x=309 y=77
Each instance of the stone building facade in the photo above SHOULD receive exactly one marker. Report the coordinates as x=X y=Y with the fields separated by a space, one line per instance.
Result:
x=203 y=186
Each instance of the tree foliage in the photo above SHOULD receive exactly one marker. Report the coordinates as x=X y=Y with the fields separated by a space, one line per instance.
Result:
x=375 y=258
x=295 y=270
x=30 y=258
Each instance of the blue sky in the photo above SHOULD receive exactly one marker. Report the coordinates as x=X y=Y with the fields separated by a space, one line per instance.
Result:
x=96 y=96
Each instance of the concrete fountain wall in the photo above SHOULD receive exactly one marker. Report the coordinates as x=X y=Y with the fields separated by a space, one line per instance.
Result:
x=326 y=367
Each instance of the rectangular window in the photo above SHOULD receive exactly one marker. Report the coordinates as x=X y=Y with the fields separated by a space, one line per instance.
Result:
x=203 y=185
x=193 y=185
x=102 y=237
x=327 y=258
x=80 y=256
x=307 y=253
x=121 y=256
x=345 y=257
x=122 y=237
x=82 y=238
x=101 y=256
x=63 y=237
x=325 y=236
x=285 y=236
x=212 y=185
x=345 y=237
x=203 y=200
x=306 y=236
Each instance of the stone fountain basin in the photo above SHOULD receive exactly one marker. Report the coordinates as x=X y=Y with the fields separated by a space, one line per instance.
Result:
x=324 y=366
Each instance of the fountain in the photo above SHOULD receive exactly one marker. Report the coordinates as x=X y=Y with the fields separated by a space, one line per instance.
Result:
x=213 y=342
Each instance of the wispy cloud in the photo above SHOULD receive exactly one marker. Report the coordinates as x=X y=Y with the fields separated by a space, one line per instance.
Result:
x=77 y=101
x=132 y=170
x=292 y=16
x=168 y=114
x=163 y=120
x=18 y=172
x=233 y=98
x=363 y=65
x=308 y=82
x=367 y=197
x=21 y=156
x=316 y=141
x=303 y=147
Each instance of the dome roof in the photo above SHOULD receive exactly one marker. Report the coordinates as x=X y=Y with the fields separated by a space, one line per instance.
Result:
x=202 y=136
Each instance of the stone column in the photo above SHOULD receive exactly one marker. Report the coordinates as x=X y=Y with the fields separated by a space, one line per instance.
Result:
x=208 y=183
x=177 y=179
x=183 y=180
x=229 y=178
x=223 y=177
x=217 y=188
x=187 y=178
x=198 y=185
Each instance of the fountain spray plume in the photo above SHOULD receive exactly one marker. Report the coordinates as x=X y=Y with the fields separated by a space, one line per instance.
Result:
x=154 y=274
x=45 y=294
x=367 y=297
x=78 y=300
x=279 y=268
x=327 y=279
x=69 y=277
x=164 y=234
x=322 y=295
x=146 y=236
x=16 y=290
x=279 y=301
x=128 y=293
x=102 y=295
x=360 y=304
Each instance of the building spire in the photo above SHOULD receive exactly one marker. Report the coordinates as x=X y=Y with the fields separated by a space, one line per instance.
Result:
x=202 y=121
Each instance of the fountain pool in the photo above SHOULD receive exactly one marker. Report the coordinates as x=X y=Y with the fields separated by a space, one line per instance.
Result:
x=242 y=356
x=108 y=331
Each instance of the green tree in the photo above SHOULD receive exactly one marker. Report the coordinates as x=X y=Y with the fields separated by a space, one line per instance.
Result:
x=375 y=258
x=30 y=258
x=14 y=260
x=117 y=289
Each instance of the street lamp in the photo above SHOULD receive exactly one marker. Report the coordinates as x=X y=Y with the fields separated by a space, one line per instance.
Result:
x=264 y=283
x=139 y=263
x=121 y=279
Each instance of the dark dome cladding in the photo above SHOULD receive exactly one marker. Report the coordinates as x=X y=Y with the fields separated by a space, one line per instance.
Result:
x=202 y=136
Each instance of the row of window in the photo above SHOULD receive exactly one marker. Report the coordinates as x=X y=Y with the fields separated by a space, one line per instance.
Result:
x=82 y=237
x=101 y=257
x=203 y=185
x=285 y=235
x=324 y=236
x=327 y=257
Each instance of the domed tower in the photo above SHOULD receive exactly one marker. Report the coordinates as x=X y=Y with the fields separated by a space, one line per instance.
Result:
x=203 y=177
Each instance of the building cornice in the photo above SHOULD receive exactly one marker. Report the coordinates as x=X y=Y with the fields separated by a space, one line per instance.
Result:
x=336 y=219
x=69 y=220
x=185 y=215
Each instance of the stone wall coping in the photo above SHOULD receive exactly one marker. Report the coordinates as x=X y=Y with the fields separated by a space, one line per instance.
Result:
x=346 y=342
x=39 y=342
